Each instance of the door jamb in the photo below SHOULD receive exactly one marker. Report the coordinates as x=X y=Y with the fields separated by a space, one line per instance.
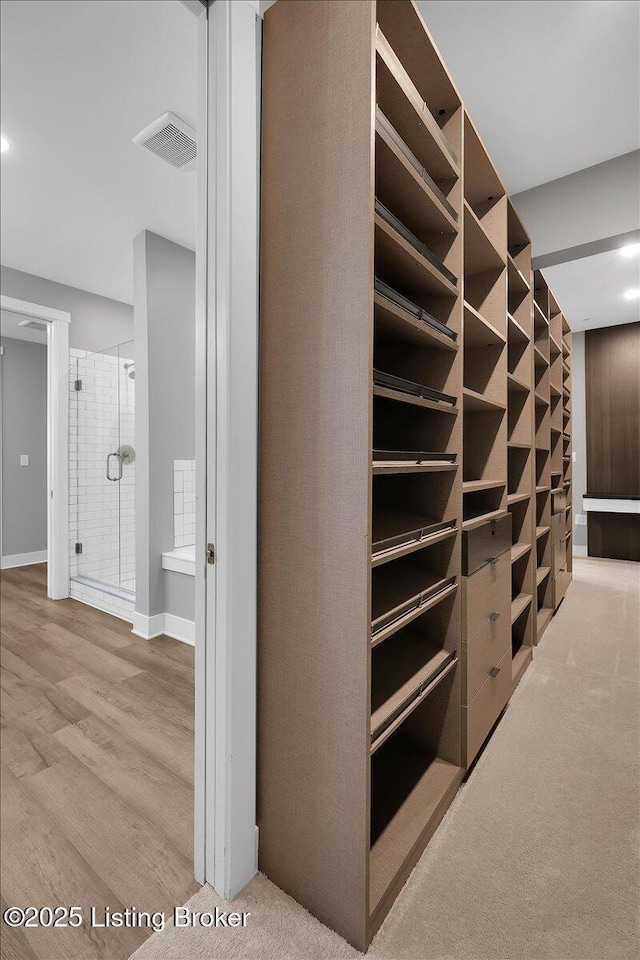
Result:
x=57 y=439
x=226 y=446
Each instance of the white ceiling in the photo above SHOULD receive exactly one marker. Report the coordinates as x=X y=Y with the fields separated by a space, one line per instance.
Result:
x=590 y=291
x=79 y=80
x=10 y=327
x=553 y=87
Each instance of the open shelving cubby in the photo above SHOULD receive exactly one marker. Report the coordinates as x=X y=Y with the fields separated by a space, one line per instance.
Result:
x=408 y=390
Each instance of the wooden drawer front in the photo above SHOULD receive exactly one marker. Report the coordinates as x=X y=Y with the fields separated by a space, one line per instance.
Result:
x=484 y=593
x=485 y=708
x=483 y=651
x=559 y=557
x=485 y=543
x=560 y=584
x=558 y=527
x=558 y=502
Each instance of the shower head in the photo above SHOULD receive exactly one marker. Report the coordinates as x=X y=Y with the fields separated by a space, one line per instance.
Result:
x=132 y=374
x=131 y=367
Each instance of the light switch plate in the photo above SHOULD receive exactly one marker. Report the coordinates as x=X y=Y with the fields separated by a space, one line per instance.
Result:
x=581 y=519
x=24 y=459
x=573 y=456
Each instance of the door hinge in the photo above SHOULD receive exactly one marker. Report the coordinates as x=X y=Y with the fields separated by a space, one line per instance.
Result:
x=211 y=553
x=78 y=548
x=78 y=384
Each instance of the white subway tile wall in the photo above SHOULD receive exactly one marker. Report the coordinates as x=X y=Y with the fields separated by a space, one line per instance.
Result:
x=101 y=512
x=184 y=502
x=118 y=606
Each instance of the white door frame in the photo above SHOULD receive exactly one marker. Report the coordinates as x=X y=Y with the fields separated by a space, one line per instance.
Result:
x=226 y=445
x=57 y=439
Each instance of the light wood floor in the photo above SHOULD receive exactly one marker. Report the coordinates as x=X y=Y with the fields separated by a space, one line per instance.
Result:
x=97 y=770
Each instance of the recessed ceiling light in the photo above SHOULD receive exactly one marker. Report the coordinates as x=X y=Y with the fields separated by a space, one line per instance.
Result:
x=632 y=294
x=4 y=144
x=631 y=250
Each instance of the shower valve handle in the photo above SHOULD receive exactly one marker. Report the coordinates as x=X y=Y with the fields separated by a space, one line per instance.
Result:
x=119 y=459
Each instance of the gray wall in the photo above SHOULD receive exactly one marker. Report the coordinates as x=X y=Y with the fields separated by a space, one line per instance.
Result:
x=96 y=322
x=179 y=594
x=599 y=202
x=164 y=322
x=24 y=430
x=579 y=417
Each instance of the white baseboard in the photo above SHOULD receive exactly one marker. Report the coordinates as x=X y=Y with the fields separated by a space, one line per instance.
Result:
x=166 y=624
x=24 y=559
x=180 y=629
x=580 y=551
x=148 y=627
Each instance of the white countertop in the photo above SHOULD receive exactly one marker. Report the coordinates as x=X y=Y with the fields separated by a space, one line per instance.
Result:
x=181 y=560
x=610 y=505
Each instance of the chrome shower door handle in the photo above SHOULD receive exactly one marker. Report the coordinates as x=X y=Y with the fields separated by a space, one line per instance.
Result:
x=119 y=459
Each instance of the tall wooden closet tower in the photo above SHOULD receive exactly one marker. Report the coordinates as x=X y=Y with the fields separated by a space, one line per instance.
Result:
x=401 y=580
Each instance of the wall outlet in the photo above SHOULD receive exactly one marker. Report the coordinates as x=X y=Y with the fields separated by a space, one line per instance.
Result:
x=24 y=459
x=573 y=456
x=581 y=519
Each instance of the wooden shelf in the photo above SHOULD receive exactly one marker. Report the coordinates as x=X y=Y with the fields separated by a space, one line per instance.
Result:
x=412 y=273
x=405 y=109
x=480 y=255
x=517 y=333
x=541 y=400
x=476 y=401
x=554 y=391
x=544 y=616
x=542 y=488
x=540 y=320
x=471 y=486
x=401 y=188
x=539 y=358
x=557 y=349
x=514 y=385
x=392 y=523
x=515 y=445
x=540 y=531
x=478 y=332
x=541 y=574
x=519 y=605
x=516 y=280
x=408 y=802
x=519 y=550
x=520 y=662
x=404 y=466
x=401 y=397
x=396 y=585
x=399 y=670
x=473 y=522
x=394 y=323
x=517 y=498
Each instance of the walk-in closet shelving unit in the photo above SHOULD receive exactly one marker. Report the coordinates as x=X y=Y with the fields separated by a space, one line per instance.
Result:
x=542 y=398
x=361 y=450
x=520 y=443
x=385 y=649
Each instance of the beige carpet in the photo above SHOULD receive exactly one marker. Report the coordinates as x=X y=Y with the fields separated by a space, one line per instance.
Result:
x=538 y=855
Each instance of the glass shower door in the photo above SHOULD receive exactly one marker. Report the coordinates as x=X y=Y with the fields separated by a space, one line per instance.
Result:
x=103 y=468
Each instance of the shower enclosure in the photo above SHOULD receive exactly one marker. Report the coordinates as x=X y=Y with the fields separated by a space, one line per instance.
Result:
x=102 y=477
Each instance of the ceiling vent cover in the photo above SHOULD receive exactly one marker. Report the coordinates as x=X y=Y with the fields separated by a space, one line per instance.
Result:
x=171 y=139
